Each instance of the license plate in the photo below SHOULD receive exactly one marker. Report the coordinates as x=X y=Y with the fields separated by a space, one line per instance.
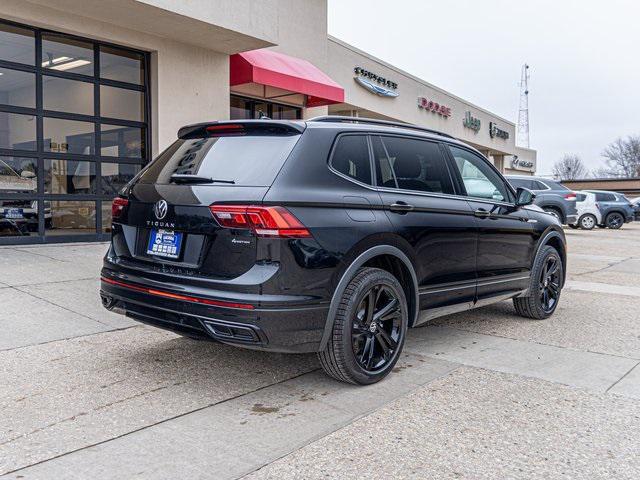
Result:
x=164 y=243
x=13 y=213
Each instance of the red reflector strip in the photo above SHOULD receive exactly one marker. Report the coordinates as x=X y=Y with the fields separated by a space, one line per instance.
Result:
x=177 y=296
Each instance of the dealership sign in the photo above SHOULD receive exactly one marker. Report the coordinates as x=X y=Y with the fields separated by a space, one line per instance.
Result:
x=375 y=83
x=495 y=131
x=471 y=122
x=520 y=163
x=435 y=107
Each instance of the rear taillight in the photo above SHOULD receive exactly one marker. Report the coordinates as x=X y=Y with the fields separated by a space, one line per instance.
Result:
x=570 y=196
x=118 y=206
x=263 y=221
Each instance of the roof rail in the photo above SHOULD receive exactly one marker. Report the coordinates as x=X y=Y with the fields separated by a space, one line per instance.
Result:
x=374 y=121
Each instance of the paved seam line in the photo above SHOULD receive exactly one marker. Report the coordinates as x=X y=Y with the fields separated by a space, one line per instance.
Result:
x=159 y=422
x=69 y=338
x=536 y=342
x=52 y=282
x=61 y=306
x=38 y=254
x=612 y=264
x=621 y=378
x=362 y=415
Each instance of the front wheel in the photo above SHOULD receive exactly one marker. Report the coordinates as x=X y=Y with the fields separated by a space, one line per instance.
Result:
x=587 y=221
x=369 y=329
x=545 y=286
x=614 y=221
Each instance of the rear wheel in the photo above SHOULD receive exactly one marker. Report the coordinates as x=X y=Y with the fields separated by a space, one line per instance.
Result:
x=553 y=211
x=369 y=329
x=587 y=221
x=545 y=287
x=614 y=220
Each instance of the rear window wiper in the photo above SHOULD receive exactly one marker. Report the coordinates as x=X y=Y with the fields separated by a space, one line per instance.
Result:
x=185 y=178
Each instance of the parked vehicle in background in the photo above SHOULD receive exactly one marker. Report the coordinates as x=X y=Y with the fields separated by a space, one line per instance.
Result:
x=636 y=208
x=616 y=209
x=325 y=236
x=551 y=196
x=588 y=212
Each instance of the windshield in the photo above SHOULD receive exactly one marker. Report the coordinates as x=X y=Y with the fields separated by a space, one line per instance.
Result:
x=243 y=160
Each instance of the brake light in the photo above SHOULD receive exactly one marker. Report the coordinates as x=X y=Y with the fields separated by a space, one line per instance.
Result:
x=570 y=196
x=118 y=206
x=226 y=129
x=262 y=221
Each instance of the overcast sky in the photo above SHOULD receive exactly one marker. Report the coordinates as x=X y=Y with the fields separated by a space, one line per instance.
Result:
x=584 y=59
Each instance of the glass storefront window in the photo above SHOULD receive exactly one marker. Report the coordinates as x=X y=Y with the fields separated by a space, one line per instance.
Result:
x=106 y=217
x=69 y=217
x=56 y=108
x=68 y=136
x=65 y=54
x=17 y=131
x=118 y=141
x=121 y=65
x=121 y=103
x=17 y=88
x=18 y=175
x=116 y=175
x=64 y=95
x=18 y=218
x=17 y=44
x=69 y=177
x=240 y=108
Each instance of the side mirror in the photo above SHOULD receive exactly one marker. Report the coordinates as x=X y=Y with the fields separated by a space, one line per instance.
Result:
x=524 y=197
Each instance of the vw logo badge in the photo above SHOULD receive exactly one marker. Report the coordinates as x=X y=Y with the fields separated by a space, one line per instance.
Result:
x=160 y=209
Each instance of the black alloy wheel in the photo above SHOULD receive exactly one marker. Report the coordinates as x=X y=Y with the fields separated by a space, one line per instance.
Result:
x=369 y=329
x=545 y=286
x=376 y=329
x=614 y=221
x=549 y=285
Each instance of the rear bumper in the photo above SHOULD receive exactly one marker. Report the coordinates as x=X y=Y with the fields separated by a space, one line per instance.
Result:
x=285 y=326
x=572 y=219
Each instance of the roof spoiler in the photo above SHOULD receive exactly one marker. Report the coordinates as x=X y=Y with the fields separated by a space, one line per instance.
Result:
x=241 y=127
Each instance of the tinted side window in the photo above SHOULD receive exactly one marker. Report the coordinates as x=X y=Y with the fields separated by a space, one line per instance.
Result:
x=581 y=197
x=539 y=185
x=522 y=183
x=416 y=165
x=479 y=179
x=605 y=197
x=351 y=158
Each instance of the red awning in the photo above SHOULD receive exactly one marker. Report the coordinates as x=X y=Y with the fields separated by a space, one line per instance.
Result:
x=274 y=69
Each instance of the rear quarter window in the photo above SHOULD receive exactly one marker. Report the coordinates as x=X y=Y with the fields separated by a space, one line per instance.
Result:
x=351 y=157
x=252 y=160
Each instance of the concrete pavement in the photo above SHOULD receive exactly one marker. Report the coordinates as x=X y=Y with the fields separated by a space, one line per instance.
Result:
x=485 y=394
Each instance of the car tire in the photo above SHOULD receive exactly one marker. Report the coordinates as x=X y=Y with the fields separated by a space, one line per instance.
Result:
x=587 y=221
x=553 y=211
x=542 y=296
x=369 y=329
x=614 y=221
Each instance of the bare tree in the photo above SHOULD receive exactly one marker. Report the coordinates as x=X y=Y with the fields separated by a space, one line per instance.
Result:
x=570 y=167
x=622 y=158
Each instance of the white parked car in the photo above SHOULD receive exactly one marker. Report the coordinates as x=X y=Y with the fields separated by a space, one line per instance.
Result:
x=588 y=212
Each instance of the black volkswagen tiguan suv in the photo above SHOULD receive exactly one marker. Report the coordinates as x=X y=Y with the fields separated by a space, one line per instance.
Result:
x=333 y=235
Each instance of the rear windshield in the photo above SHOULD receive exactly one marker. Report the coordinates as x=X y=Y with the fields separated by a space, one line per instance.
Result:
x=245 y=160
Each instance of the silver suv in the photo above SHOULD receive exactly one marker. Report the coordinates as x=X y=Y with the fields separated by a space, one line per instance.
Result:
x=551 y=196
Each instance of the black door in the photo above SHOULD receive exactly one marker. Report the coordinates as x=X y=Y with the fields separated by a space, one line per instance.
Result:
x=417 y=193
x=505 y=234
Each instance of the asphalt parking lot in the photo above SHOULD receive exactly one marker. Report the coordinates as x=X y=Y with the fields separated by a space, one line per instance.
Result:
x=85 y=393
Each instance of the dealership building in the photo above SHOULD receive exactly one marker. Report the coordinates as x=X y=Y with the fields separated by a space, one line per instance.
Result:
x=92 y=90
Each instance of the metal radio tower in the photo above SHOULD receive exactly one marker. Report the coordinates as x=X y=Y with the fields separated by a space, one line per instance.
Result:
x=522 y=138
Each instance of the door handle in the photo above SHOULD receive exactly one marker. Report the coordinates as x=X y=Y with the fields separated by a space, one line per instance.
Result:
x=400 y=207
x=482 y=213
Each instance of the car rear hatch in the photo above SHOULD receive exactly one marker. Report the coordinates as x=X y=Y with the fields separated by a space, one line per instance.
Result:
x=164 y=223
